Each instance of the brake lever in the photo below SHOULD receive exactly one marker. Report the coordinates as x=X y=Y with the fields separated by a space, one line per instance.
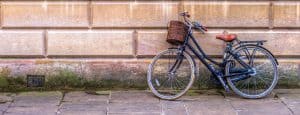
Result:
x=204 y=28
x=200 y=29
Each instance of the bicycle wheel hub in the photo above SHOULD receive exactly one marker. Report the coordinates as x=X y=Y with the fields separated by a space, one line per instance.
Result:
x=253 y=73
x=171 y=74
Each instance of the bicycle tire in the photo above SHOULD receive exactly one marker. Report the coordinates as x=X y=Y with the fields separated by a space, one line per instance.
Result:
x=250 y=94
x=151 y=75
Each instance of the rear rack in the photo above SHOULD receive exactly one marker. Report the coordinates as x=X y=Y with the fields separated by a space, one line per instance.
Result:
x=259 y=42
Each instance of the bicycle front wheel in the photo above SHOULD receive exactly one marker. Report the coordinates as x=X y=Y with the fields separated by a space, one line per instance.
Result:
x=258 y=84
x=171 y=74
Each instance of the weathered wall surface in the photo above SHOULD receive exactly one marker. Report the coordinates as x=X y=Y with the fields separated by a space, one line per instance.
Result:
x=115 y=40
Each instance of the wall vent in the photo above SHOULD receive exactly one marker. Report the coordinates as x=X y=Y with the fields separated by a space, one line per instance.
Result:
x=35 y=80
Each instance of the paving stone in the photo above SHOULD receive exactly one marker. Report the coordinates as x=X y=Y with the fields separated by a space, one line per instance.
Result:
x=35 y=103
x=204 y=96
x=173 y=108
x=209 y=105
x=6 y=97
x=84 y=106
x=82 y=112
x=133 y=97
x=4 y=106
x=82 y=109
x=81 y=96
x=131 y=103
x=259 y=107
x=31 y=111
x=81 y=103
x=135 y=113
x=232 y=96
x=133 y=108
x=292 y=101
x=29 y=99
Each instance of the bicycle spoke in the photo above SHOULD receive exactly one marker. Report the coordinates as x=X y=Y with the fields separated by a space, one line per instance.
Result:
x=259 y=84
x=252 y=58
x=179 y=82
x=163 y=83
x=263 y=80
x=177 y=87
x=255 y=87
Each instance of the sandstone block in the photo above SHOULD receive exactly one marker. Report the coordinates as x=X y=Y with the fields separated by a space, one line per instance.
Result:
x=90 y=43
x=133 y=14
x=229 y=14
x=44 y=14
x=16 y=43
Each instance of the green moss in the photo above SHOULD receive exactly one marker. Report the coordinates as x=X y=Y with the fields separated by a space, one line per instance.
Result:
x=3 y=82
x=13 y=84
x=69 y=80
x=288 y=77
x=65 y=79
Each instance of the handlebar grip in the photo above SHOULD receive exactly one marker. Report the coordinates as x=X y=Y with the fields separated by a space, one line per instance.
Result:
x=187 y=15
x=204 y=28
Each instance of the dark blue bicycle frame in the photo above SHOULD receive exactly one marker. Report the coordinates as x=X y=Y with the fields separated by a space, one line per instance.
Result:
x=203 y=58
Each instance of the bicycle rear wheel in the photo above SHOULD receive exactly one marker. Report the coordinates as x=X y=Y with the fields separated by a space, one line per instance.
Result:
x=262 y=81
x=171 y=74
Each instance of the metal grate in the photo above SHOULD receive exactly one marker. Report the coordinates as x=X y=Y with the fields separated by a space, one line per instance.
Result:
x=35 y=80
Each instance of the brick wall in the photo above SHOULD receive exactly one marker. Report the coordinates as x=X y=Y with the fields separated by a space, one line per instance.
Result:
x=116 y=39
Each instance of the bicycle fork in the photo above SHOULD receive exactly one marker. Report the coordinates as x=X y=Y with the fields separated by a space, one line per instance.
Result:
x=176 y=65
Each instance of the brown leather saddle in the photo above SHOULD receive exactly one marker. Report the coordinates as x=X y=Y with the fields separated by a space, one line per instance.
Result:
x=226 y=37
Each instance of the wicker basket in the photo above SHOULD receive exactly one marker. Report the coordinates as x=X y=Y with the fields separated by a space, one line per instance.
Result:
x=177 y=32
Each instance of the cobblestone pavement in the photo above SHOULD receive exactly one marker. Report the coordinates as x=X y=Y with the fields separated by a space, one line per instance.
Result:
x=280 y=102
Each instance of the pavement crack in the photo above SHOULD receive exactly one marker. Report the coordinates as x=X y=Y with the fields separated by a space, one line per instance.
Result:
x=285 y=104
x=186 y=108
x=161 y=107
x=60 y=102
x=235 y=109
x=108 y=101
x=9 y=106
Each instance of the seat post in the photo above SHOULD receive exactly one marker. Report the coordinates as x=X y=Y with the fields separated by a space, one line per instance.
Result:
x=228 y=47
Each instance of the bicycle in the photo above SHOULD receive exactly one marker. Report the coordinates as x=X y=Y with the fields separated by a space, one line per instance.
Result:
x=248 y=68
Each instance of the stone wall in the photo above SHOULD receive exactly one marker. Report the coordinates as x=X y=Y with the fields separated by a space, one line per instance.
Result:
x=115 y=40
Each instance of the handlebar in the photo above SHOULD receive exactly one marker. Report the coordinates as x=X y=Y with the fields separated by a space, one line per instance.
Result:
x=185 y=14
x=191 y=24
